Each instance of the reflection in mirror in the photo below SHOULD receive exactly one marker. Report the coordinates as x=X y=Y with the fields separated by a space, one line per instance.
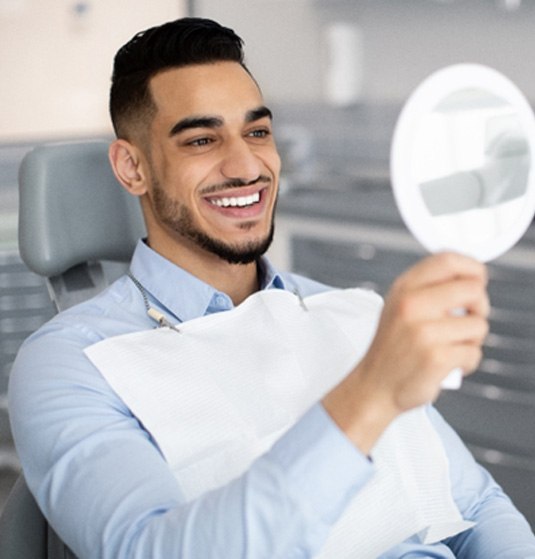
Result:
x=485 y=168
x=471 y=160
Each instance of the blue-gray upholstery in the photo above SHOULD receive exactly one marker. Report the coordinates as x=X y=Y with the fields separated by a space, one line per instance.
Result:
x=75 y=220
x=72 y=209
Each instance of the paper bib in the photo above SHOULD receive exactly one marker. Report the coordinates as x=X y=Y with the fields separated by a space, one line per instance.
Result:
x=219 y=393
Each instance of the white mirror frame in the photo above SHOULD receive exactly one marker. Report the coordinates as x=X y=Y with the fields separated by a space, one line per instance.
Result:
x=421 y=103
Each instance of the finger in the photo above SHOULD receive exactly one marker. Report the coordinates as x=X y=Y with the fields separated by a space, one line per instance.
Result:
x=439 y=361
x=445 y=299
x=467 y=358
x=432 y=341
x=443 y=267
x=469 y=329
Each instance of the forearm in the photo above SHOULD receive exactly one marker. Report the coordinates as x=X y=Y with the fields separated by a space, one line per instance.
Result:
x=283 y=506
x=107 y=507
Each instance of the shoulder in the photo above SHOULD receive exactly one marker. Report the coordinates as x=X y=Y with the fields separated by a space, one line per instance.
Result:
x=306 y=287
x=52 y=358
x=117 y=310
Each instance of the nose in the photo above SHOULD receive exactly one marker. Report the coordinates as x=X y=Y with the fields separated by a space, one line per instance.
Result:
x=240 y=162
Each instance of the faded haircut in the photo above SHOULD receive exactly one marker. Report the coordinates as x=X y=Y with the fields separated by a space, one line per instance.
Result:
x=174 y=44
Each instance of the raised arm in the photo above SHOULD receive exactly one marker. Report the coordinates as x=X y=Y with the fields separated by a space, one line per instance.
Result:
x=421 y=338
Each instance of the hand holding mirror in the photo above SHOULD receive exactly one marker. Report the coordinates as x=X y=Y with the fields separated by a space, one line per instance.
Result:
x=462 y=164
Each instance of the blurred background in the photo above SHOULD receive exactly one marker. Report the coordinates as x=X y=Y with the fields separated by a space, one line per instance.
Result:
x=336 y=73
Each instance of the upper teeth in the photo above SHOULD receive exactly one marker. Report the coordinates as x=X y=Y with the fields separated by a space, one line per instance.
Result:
x=236 y=201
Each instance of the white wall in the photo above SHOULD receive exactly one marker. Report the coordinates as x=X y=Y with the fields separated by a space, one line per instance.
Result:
x=56 y=63
x=281 y=43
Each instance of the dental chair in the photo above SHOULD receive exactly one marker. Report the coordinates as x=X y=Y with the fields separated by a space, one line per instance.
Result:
x=77 y=228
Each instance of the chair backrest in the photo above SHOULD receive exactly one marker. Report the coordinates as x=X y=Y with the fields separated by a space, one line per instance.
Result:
x=75 y=220
x=78 y=228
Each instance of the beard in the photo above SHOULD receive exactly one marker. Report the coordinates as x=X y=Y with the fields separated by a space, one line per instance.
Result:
x=178 y=217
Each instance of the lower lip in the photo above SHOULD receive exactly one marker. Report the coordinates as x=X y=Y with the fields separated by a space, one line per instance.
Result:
x=246 y=212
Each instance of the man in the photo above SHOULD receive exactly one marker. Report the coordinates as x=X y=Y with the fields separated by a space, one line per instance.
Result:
x=195 y=144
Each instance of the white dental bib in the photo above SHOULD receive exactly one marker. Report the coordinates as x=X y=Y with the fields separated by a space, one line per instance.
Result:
x=219 y=393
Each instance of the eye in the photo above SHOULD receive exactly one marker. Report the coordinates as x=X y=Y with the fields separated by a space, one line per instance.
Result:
x=260 y=133
x=200 y=142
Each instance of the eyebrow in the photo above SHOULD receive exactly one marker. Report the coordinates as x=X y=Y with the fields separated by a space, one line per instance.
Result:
x=257 y=114
x=215 y=121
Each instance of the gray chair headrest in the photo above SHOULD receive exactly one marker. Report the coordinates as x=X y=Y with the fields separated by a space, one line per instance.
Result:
x=72 y=209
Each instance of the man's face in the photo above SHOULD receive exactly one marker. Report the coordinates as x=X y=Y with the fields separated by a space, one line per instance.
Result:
x=213 y=163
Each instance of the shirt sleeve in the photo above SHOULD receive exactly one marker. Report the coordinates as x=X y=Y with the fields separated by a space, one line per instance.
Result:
x=501 y=532
x=103 y=485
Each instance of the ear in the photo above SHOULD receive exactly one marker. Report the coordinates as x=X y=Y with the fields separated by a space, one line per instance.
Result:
x=127 y=163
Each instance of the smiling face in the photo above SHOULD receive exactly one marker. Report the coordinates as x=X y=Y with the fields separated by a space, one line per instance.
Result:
x=212 y=168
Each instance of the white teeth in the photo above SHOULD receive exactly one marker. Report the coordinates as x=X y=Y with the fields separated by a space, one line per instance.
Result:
x=240 y=201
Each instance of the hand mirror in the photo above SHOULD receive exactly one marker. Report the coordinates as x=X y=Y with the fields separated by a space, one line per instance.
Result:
x=462 y=164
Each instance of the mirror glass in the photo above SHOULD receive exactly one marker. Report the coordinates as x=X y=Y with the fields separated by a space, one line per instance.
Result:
x=462 y=162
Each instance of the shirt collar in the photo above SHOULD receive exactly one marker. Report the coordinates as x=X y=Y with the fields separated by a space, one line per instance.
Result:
x=182 y=294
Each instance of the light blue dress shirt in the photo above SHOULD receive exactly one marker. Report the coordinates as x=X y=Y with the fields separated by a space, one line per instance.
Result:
x=101 y=481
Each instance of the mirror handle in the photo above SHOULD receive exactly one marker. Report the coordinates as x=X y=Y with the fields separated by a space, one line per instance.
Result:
x=454 y=380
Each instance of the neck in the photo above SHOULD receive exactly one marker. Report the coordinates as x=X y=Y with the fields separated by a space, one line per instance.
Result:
x=238 y=281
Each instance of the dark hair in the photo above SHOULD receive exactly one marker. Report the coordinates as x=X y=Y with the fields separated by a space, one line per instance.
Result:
x=177 y=43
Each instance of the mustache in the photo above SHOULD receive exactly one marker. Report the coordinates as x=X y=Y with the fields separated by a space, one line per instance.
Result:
x=235 y=183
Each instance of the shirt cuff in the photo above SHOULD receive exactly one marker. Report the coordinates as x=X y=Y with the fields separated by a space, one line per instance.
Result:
x=324 y=470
